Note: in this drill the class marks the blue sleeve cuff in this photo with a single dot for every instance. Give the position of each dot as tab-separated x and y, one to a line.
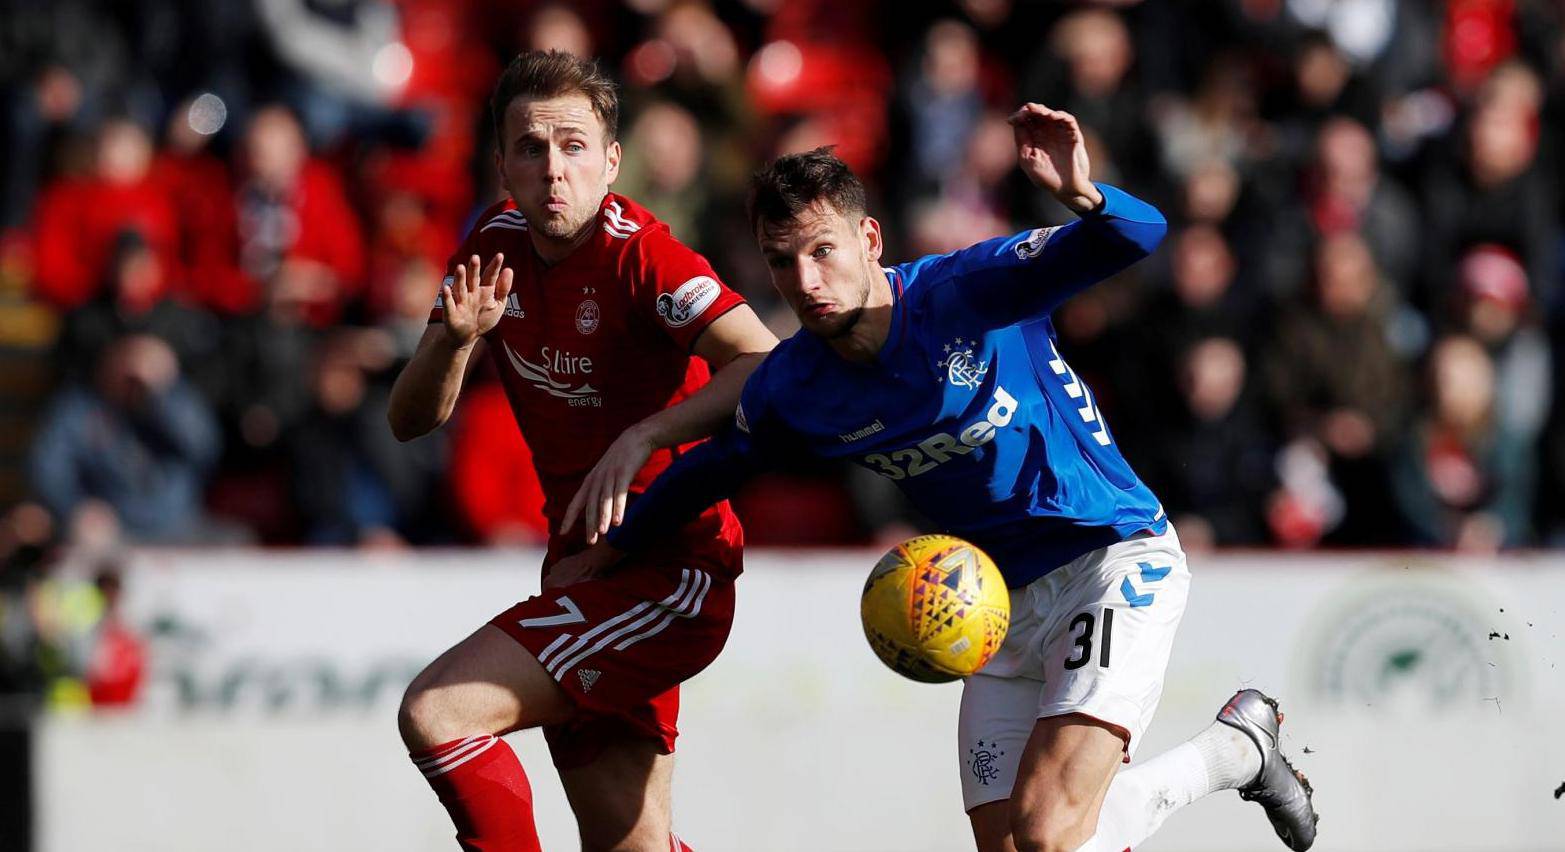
1133	218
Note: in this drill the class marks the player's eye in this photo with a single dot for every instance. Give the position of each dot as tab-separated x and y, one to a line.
574	147
821	252
777	261
531	149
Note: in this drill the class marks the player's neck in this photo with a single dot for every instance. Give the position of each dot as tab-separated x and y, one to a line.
862	344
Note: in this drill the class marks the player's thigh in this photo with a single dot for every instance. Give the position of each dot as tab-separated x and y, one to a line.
485	684
622	798
995	719
998	711
1108	625
1066	770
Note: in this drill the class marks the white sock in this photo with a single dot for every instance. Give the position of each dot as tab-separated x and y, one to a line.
1232	758
1142	797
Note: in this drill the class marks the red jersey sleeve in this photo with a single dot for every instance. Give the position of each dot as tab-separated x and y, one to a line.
677	289
467	249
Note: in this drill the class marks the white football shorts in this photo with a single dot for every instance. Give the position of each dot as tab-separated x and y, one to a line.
1091	637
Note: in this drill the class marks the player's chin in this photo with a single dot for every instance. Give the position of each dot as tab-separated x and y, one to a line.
831	326
555	227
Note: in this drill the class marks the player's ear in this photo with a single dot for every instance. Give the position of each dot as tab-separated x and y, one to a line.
869	232
611	161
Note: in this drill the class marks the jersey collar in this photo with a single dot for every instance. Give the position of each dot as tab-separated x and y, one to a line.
898	308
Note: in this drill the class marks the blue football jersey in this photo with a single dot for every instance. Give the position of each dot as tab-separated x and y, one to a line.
969	407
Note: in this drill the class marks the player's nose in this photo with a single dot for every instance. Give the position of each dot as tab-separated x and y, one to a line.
554	164
810	279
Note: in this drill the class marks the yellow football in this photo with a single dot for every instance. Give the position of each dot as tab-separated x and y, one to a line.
935	608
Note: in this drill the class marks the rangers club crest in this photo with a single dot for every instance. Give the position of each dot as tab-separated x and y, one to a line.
962	367
983	761
587	317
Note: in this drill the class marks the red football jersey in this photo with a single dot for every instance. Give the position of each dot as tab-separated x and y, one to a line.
595	344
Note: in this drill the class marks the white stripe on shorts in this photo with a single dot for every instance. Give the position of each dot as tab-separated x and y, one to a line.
634	611
690	613
674	604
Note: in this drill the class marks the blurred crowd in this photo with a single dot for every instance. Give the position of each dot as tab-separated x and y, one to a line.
222	224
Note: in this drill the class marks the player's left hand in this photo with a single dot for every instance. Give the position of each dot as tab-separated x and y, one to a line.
1053	154
583	566
602	495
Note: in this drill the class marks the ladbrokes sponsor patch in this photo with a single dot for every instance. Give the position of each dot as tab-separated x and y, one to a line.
1033	245
690	300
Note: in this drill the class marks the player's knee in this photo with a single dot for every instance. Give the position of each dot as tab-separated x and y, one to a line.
1059	828
430	716
417	717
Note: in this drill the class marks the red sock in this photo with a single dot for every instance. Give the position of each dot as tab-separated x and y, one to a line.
677	845
483	787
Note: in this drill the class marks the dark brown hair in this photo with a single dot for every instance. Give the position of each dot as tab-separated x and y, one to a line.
551	74
793	182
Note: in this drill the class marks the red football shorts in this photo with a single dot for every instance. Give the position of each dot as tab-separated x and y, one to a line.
620	646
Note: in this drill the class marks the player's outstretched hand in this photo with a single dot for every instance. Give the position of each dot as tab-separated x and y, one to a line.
474	301
601	497
1053	154
582	566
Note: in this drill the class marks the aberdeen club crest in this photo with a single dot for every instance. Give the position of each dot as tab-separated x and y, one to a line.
587	317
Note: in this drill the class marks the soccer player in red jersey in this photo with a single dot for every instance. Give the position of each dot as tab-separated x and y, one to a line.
602	326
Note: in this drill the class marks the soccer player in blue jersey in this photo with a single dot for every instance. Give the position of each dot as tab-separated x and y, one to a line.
944	375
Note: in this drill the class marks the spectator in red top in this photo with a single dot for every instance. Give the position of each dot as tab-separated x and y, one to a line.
298	233
78	221
117	659
200	187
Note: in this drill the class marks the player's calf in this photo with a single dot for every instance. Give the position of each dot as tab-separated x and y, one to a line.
622	798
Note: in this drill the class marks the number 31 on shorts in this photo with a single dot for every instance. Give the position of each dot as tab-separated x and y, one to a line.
1081	628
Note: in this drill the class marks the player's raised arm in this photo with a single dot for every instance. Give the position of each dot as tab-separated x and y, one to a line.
1053	154
734	345
1010	279
472	302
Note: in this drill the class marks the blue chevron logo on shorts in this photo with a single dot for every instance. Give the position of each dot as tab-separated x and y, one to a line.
1149	574
1152	575
1129	591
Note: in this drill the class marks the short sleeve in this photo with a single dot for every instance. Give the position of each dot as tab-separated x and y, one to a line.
467	249
677	290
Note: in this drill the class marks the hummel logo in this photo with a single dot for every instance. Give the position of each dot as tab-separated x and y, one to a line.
860	434
513	307
588	677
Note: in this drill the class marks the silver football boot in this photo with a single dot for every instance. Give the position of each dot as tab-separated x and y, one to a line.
1282	790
